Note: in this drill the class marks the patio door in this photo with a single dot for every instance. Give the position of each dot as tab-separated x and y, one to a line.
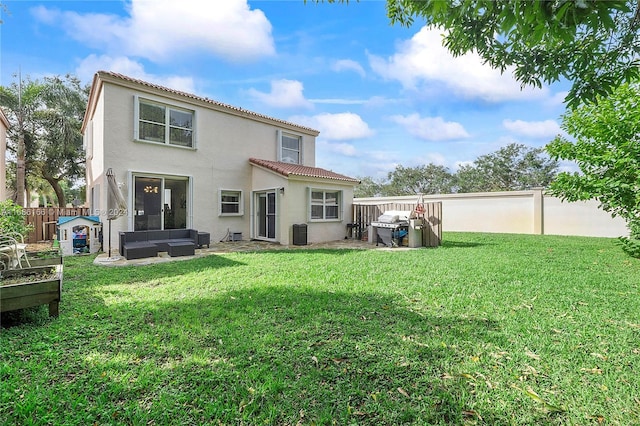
266	215
160	203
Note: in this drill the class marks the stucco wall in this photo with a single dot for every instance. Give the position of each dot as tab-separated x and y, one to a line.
526	212
580	218
318	231
292	198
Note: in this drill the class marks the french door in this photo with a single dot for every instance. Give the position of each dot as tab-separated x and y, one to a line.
266	214
160	203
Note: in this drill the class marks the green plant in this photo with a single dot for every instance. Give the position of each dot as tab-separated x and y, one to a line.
12	219
603	142
631	244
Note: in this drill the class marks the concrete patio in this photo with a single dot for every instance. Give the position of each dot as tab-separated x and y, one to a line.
238	246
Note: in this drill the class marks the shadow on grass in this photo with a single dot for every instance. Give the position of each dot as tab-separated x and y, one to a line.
461	244
277	355
324	251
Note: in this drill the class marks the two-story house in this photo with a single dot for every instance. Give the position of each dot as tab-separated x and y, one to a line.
185	161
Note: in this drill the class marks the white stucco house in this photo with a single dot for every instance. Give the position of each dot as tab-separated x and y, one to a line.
185	161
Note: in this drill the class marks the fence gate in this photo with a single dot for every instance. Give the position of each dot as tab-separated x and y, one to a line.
364	214
44	220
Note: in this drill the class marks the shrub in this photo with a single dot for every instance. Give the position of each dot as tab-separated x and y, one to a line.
12	219
631	244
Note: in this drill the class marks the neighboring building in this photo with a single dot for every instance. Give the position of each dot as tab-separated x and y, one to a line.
4	126
184	161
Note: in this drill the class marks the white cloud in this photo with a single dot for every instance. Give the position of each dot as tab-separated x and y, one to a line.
423	60
568	166
123	65
458	164
348	65
431	128
431	158
341	126
338	101
533	129
345	149
372	102
557	99
283	94
164	29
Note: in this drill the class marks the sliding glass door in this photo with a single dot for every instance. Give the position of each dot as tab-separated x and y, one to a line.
266	214
160	203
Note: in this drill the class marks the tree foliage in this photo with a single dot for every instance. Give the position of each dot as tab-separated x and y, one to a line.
606	147
61	156
594	44
12	219
21	101
45	118
368	187
427	179
511	168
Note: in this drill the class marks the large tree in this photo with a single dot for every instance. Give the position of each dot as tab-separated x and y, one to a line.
592	43
605	144
45	133
511	168
20	102
368	187
427	179
60	155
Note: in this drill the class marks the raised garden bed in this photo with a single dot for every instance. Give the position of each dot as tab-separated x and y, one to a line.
39	285
51	257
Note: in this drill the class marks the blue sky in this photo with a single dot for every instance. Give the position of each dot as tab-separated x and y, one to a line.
380	95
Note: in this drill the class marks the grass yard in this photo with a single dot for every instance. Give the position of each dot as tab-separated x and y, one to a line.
487	329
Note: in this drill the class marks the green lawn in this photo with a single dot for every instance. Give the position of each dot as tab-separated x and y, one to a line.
487	329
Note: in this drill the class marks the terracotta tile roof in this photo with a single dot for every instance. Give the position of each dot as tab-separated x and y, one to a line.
102	74
287	169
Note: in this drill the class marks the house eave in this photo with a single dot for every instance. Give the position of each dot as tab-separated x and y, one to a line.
291	175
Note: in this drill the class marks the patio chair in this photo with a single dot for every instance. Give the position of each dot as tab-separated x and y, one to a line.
14	248
5	261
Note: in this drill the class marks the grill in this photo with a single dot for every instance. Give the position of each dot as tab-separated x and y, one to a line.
391	227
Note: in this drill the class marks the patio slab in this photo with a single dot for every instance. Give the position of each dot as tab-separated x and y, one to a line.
239	246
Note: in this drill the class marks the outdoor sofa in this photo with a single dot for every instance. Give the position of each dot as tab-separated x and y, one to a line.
176	242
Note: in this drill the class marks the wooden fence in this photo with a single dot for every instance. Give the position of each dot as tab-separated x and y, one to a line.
364	214
44	220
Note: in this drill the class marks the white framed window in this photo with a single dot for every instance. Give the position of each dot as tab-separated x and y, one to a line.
289	147
231	203
325	204
162	123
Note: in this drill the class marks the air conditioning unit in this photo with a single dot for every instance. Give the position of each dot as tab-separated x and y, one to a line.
235	236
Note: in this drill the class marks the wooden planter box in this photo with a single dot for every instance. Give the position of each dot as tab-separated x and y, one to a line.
53	259
33	292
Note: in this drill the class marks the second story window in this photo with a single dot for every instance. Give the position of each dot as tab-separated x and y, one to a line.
164	124
289	148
